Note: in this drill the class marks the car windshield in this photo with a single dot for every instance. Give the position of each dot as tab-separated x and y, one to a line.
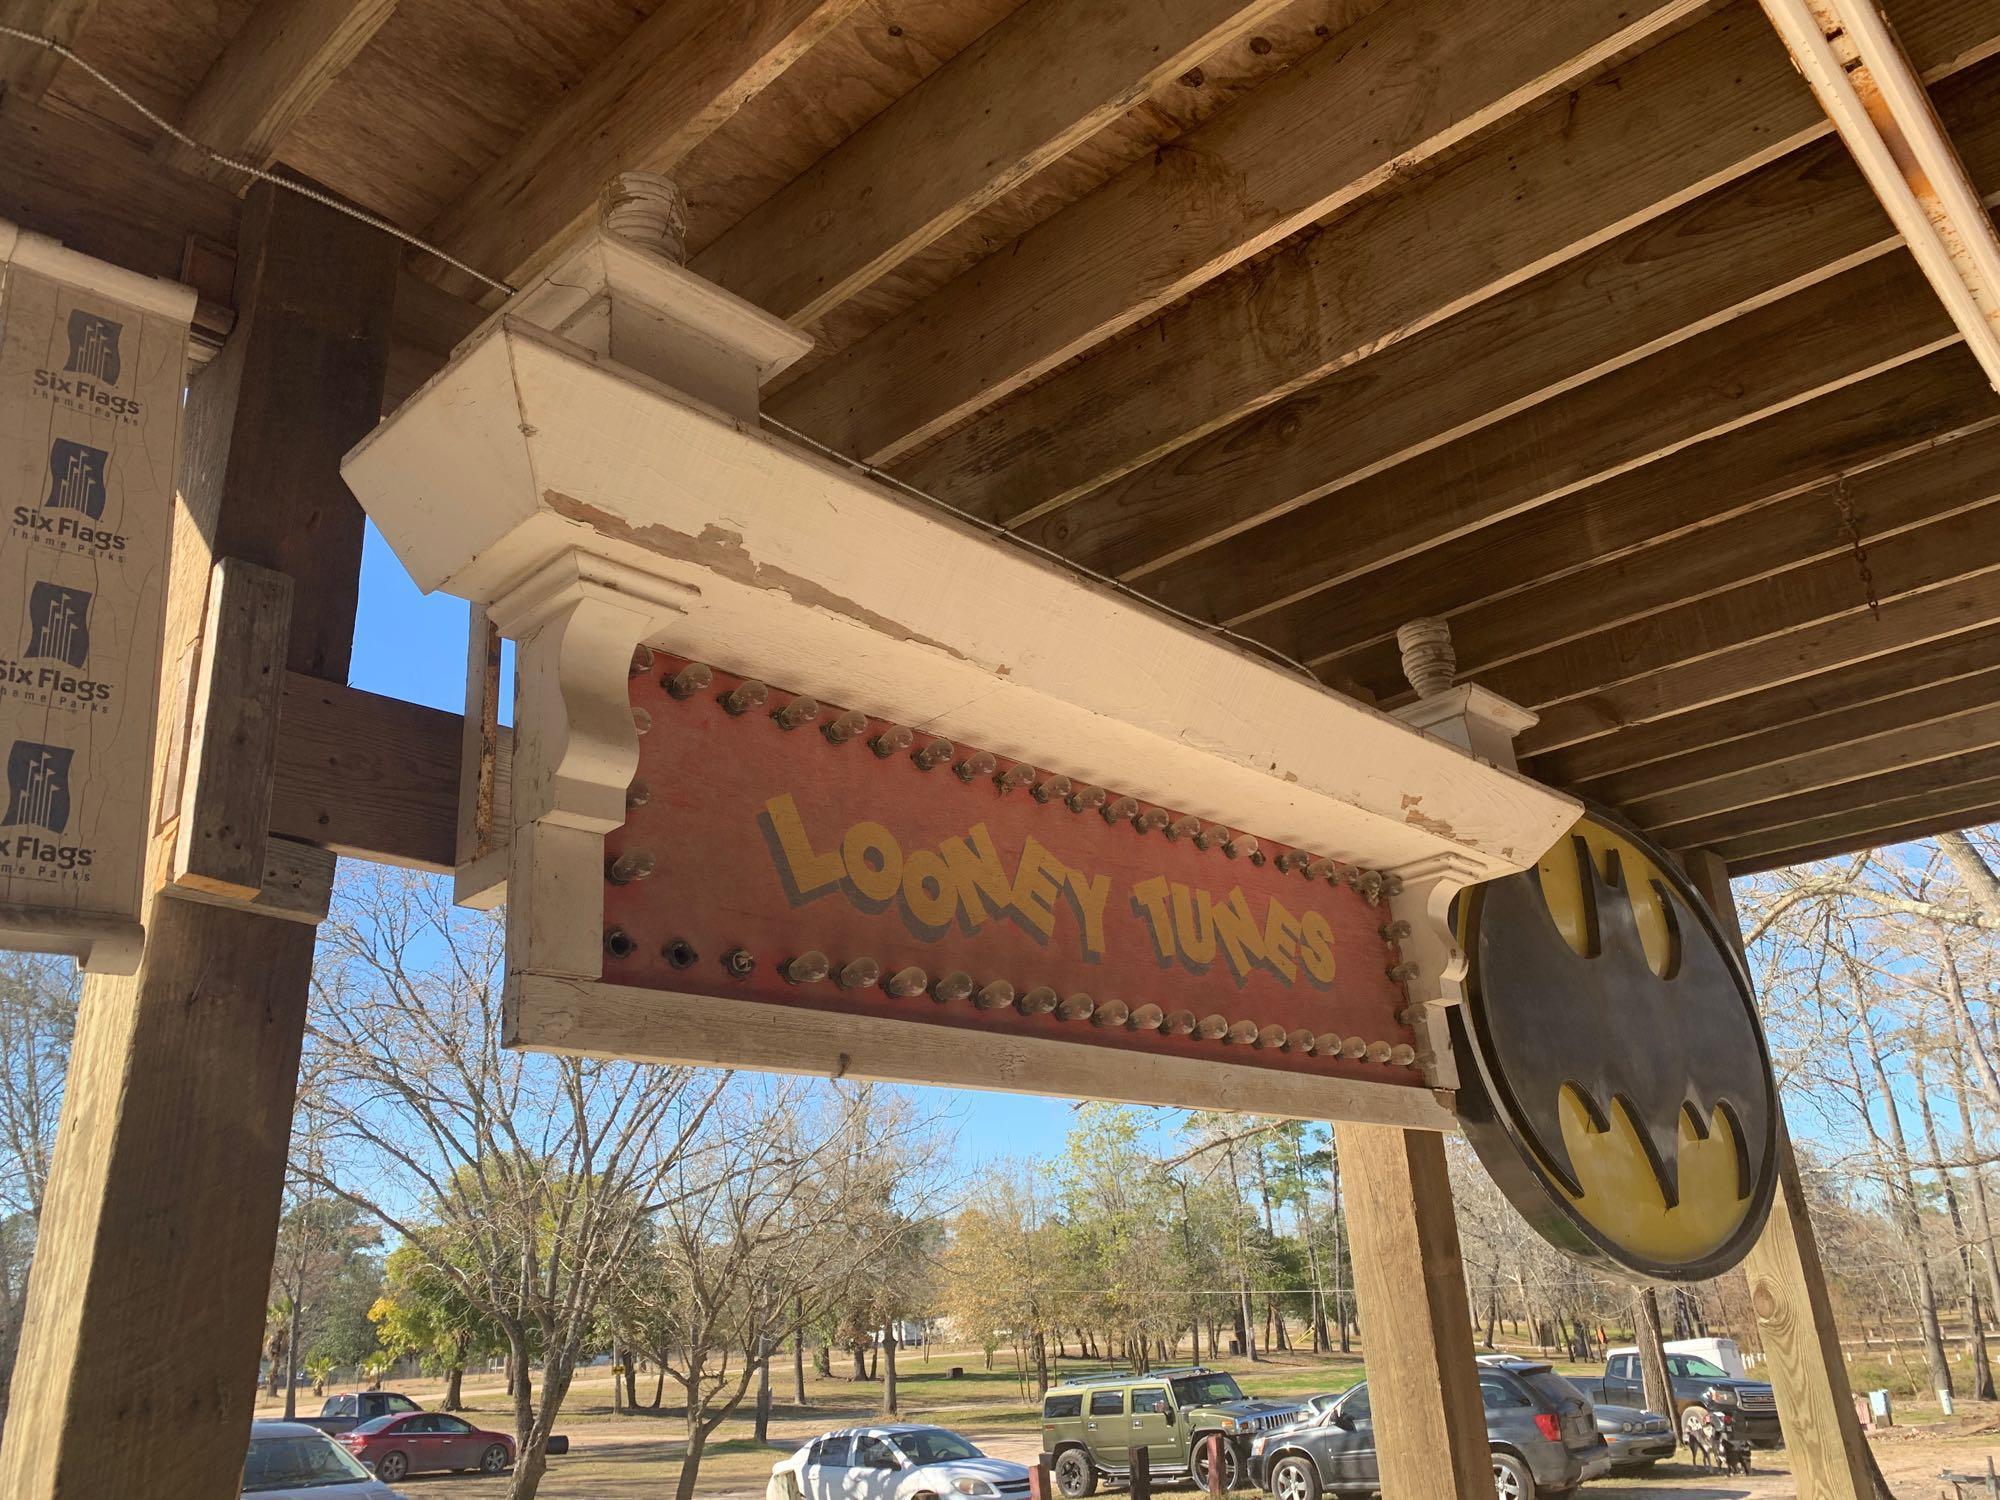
1701	1369
933	1445
1206	1390
297	1462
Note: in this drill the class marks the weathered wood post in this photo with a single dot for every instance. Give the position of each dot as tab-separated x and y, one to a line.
1830	1456
1141	1468
138	1360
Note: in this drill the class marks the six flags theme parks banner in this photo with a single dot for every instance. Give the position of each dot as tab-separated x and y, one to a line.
92	360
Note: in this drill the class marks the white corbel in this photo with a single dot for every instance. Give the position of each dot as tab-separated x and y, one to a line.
1483	724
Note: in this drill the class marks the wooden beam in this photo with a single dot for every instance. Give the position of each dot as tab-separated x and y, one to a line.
1896	414
1409	1285
1707	572
1685	116
1388	93
1772	793
368	775
26	71
1925	825
1957	606
268	78
1788	1298
679	76
1766	612
78	181
1874	317
1038	84
1944	784
225	795
1789	708
1801	220
1807	752
169	1169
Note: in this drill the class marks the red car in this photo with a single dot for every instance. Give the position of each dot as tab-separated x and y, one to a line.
412	1442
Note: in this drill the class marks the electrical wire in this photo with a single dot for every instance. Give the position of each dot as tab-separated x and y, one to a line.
374	221
248	169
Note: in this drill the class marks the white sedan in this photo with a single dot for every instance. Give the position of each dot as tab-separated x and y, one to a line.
903	1461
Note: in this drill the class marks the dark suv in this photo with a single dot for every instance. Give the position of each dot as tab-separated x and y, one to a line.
1538	1425
1699	1386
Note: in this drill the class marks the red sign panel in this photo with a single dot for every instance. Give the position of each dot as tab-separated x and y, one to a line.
793	853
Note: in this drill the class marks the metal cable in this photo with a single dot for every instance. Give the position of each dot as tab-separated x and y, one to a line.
248	169
374	221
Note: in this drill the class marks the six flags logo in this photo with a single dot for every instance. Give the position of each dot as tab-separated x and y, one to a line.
37	786
93	346
90	374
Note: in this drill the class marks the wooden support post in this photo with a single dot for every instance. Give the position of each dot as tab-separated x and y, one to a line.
1416	1325
138	1359
1830	1457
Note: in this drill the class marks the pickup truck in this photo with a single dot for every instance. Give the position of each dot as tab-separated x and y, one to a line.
345	1412
1697	1384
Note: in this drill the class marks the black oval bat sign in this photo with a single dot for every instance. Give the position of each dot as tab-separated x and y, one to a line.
1619	1090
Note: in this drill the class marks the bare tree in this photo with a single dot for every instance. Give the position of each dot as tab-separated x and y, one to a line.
528	1179
38	1002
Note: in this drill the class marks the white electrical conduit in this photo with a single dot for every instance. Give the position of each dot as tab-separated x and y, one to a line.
1866	85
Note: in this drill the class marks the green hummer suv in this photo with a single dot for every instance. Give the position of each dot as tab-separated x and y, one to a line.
1091	1424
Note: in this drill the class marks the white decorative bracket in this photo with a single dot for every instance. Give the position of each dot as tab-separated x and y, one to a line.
1484	725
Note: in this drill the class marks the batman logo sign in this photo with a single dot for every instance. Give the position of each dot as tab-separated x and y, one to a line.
1621	1094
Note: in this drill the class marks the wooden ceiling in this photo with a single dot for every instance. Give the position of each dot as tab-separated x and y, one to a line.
1570	322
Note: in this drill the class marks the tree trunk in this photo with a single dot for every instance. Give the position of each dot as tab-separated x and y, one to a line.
1982	1208
1908	1219
631	1377
454	1389
292	1362
1042	1362
762	1431
859	1353
522	1389
1975	1327
1652	1357
690	1463
799	1349
889	1369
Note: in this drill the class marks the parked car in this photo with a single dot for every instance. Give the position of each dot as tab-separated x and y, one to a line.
1637	1439
1538	1426
427	1441
1698	1386
902	1461
291	1461
1091	1424
349	1409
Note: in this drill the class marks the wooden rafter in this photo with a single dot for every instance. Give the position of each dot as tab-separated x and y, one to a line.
1698	110
1560	632
1876	316
26	71
943	151
1791	712
685	71
1802	219
1408	82
272	72
1901	411
1890	823
1858	803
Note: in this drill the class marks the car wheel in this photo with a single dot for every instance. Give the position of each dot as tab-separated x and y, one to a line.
392	1467
1295	1478
494	1459
1075	1474
1512	1479
1232	1465
1693	1420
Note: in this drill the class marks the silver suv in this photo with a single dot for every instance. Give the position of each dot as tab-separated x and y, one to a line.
1539	1427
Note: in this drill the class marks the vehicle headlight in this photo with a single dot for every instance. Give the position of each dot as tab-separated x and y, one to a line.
971	1486
1630	1426
1720	1395
1239	1424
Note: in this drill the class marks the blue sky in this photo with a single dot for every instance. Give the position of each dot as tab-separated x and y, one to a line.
412	646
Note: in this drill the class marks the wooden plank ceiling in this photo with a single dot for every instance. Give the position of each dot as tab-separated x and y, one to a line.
1570	322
